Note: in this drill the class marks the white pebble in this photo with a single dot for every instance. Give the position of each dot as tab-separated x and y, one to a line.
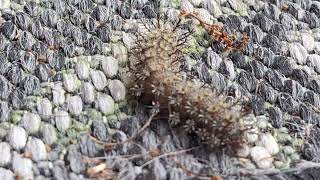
31	122
17	137
82	69
6	174
70	82
49	135
45	108
99	80
63	121
37	149
117	90
87	93
22	166
269	142
110	66
5	154
298	52
58	95
105	104
308	41
261	157
75	105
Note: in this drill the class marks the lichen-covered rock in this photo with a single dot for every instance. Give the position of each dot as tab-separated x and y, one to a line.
17	137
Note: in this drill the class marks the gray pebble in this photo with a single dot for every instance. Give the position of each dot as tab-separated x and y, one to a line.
5	88
186	6
87	93
58	95
22	166
307	41
31	122
82	69
5	157
314	60
117	90
17	137
75	105
62	119
45	108
100	131
37	149
110	66
99	80
75	160
213	59
6	174
48	133
4	111
105	104
70	82
298	52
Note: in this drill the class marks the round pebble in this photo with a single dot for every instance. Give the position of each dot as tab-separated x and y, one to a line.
70	82
37	149
261	157
5	157
49	135
110	66
6	174
105	104
117	90
82	69
22	166
45	108
99	80
75	105
17	137
31	122
63	121
87	93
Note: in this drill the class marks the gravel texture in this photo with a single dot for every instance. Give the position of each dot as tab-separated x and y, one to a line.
63	76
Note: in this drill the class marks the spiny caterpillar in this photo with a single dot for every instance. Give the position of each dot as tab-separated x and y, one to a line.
155	63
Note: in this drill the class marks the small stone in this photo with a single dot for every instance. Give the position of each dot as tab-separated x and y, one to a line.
4	4
120	52
117	90
63	121
261	157
269	142
243	151
45	108
22	166
5	157
75	160
6	174
213	59
87	93
298	52
70	82
204	15
4	111
58	95
99	80
75	105
82	69
186	6
37	149
314	60
308	41
17	137
48	133
110	66
213	7
31	122
100	131
105	104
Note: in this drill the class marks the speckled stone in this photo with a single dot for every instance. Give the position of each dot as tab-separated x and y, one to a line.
298	52
117	90
17	137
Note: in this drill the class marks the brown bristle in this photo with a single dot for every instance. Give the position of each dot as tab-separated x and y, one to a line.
155	62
